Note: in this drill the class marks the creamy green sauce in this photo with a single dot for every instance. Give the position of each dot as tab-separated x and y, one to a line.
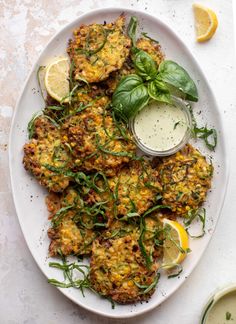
160	126
224	310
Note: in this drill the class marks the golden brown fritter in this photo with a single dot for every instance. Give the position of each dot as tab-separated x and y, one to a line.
115	77
186	178
118	268
73	231
97	50
129	193
152	48
46	149
96	142
134	189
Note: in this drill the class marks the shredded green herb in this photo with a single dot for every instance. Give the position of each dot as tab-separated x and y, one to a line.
148	288
57	108
176	270
199	214
103	149
69	275
143	229
129	215
30	127
176	124
71	278
70	95
209	135
58	217
141	243
151	39
40	69
228	316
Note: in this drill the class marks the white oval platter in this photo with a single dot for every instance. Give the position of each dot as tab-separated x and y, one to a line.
29	196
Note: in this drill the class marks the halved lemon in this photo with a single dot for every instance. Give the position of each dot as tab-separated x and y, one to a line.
56	79
206	22
176	243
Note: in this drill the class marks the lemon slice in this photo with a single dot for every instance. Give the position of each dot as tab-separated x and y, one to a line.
56	79
175	245
206	22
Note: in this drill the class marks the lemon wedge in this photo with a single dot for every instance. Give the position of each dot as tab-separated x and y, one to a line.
175	245
56	79
206	22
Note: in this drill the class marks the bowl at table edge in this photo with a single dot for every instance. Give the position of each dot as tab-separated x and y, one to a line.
219	293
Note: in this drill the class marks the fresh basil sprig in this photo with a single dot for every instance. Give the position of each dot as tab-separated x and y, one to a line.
150	81
144	65
173	74
158	91
130	96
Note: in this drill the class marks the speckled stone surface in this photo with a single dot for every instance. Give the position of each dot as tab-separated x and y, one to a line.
25	28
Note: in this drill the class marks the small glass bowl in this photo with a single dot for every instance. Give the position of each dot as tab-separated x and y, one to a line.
183	105
214	298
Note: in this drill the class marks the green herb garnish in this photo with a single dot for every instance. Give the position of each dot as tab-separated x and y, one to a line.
30	127
199	214
69	275
132	28
143	230
151	39
58	217
228	316
209	135
150	82
71	278
148	288
39	71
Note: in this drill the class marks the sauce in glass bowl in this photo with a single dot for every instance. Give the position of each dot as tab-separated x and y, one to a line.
162	129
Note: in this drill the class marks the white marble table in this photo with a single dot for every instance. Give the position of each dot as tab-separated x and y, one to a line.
25	27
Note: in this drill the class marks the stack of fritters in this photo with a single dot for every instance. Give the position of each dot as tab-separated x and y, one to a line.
99	188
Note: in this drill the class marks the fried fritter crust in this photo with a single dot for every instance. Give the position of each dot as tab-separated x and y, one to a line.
97	50
186	178
152	48
115	77
46	148
96	142
135	188
69	237
132	191
117	264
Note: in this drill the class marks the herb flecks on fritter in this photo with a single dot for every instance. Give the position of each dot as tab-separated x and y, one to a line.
73	231
152	48
118	268
97	142
134	189
45	148
115	77
186	178
97	50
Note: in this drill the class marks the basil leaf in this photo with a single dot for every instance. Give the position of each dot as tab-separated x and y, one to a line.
173	74
158	93
161	86
130	96
132	27
145	66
